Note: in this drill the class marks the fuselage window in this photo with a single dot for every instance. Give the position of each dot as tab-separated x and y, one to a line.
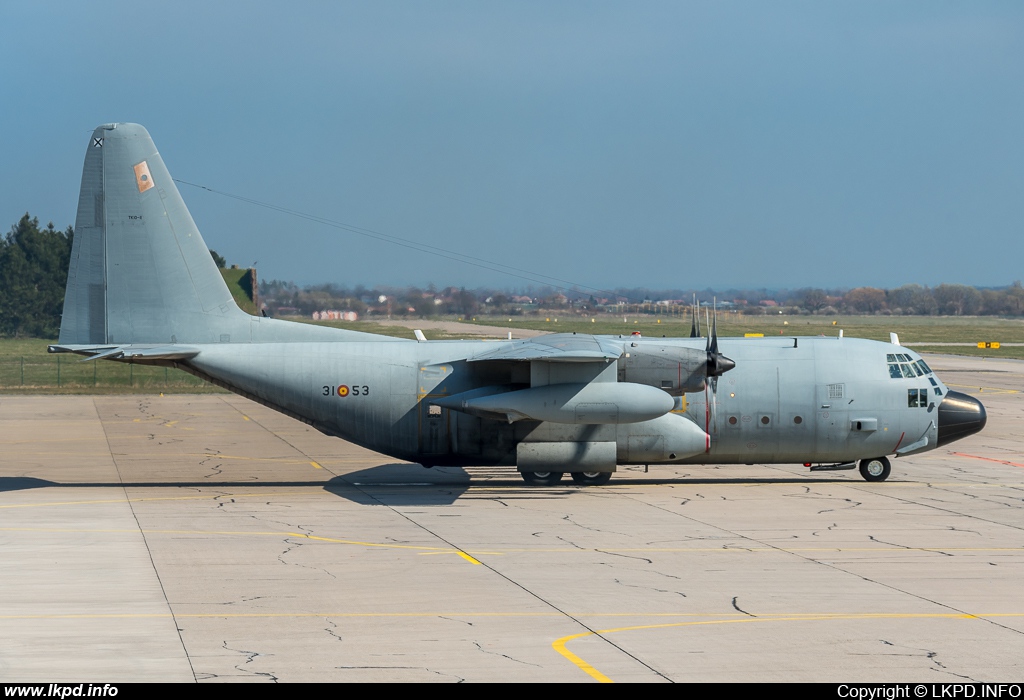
938	391
798	420
732	420
917	398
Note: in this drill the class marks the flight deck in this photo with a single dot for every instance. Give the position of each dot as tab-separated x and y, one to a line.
207	538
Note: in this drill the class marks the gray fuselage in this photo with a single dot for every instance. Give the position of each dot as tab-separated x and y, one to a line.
787	400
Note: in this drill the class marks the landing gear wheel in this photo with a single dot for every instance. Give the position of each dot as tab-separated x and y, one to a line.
876	469
591	478
542	478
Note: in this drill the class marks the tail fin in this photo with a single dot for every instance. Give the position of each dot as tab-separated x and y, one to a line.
140	271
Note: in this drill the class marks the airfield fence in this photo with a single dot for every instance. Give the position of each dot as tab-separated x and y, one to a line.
70	372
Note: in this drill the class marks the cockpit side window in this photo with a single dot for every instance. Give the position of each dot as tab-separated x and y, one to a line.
894	372
907	372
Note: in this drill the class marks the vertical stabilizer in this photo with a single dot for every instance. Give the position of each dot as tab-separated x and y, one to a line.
140	271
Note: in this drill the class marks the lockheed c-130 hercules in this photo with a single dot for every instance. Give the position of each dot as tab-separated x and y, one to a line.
142	287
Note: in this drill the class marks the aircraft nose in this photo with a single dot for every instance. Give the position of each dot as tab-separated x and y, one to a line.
960	415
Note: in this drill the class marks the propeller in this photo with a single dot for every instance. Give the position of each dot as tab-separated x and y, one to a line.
718	364
695	312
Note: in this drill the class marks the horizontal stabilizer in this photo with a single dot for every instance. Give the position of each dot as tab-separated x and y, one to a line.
129	352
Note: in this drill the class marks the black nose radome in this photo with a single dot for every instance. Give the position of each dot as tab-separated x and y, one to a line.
960	415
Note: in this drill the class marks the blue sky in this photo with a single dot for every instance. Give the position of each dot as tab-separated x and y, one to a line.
675	144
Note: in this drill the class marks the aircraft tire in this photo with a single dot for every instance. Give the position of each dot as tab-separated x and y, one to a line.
541	478
876	469
591	478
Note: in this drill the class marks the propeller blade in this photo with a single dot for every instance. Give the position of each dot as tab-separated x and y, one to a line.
718	364
714	330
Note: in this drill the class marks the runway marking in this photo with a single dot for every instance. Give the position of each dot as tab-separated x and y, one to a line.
426	550
315	465
385	545
988	459
161	498
459	551
468	558
559	645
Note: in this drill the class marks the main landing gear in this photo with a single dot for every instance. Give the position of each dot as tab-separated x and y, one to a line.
552	478
541	478
591	478
876	469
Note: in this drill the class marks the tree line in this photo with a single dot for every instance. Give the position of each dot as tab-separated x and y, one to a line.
33	273
34	263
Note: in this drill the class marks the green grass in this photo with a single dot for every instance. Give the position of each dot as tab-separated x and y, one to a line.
239	281
26	367
911	329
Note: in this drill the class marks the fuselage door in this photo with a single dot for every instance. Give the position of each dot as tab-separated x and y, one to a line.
434	421
833	420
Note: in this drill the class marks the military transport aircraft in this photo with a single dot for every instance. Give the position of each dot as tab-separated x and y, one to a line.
142	287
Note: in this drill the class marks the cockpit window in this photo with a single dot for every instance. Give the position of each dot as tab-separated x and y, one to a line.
903	366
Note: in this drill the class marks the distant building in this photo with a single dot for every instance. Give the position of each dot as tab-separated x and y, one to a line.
334	315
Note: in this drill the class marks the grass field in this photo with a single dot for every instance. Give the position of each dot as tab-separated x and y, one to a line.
919	332
26	367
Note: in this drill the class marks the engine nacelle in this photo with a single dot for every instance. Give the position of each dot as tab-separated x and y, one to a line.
670	368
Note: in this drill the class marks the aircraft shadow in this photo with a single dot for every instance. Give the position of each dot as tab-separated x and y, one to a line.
401	485
412	485
20	483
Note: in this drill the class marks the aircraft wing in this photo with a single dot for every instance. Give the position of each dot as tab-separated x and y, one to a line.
129	352
561	347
